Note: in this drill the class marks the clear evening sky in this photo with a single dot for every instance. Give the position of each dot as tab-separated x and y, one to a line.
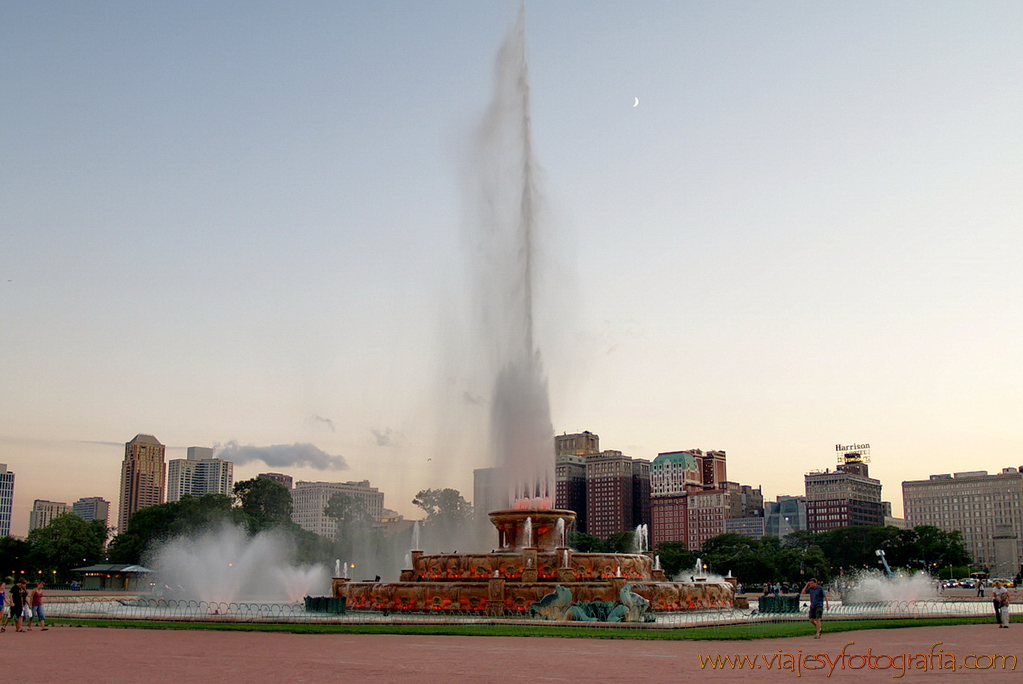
241	222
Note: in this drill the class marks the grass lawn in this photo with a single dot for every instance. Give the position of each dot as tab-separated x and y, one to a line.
754	630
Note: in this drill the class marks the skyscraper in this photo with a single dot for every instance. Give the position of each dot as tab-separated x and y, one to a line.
843	497
143	477
311	498
570	454
45	511
6	499
198	475
977	505
92	508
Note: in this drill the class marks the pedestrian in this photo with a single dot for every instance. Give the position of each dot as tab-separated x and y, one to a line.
997	591
980	588
37	605
818	599
1003	609
18	597
4	615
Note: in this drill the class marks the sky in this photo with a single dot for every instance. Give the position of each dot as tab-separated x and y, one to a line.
770	228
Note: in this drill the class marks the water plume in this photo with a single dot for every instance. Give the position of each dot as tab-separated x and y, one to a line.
504	225
227	565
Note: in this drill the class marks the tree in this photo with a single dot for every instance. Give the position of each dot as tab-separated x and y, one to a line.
620	542
13	556
675	557
354	524
265	502
67	542
152	524
585	543
445	508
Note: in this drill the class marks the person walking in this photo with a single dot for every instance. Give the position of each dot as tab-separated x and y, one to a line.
37	605
19	594
818	599
4	614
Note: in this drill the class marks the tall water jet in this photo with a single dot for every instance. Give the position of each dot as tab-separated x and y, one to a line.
640	539
505	227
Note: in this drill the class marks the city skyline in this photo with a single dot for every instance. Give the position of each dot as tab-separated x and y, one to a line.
245	230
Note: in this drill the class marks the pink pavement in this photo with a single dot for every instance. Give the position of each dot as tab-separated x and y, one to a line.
125	656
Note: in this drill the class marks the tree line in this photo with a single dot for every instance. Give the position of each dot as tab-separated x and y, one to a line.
68	542
50	553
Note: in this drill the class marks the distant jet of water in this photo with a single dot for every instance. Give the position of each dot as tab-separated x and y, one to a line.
506	226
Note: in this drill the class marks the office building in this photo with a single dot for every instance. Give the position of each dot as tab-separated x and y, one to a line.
617	490
280	478
570	454
976	504
6	499
45	511
844	497
691	499
143	476
199	474
309	499
784	516
92	508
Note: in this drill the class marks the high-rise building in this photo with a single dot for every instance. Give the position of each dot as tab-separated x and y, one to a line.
6	499
975	504
142	477
675	476
279	478
92	508
489	492
570	454
45	511
617	487
784	516
198	475
309	499
848	496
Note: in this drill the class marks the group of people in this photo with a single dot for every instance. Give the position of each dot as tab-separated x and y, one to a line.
21	605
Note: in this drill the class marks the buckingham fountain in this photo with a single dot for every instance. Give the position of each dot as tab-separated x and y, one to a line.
532	572
532	569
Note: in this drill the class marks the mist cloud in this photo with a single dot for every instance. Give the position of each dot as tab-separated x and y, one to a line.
282	456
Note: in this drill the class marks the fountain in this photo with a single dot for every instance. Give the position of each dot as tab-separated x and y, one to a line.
874	586
532	560
226	565
515	576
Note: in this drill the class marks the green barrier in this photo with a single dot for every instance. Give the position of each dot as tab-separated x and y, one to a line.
325	604
779	604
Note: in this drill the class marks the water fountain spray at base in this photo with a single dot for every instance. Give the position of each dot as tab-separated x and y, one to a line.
226	565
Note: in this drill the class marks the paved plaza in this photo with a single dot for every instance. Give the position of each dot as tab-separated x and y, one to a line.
91	654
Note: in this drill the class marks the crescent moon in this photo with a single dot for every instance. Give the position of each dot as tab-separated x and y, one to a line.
637	103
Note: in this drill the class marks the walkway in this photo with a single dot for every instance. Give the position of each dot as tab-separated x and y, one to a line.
125	656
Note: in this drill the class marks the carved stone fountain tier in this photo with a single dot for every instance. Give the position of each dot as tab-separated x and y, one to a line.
508	581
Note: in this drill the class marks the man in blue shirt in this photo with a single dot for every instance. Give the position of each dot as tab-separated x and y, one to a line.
818	599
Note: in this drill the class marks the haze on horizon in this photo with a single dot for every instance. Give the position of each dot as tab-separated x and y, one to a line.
225	228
